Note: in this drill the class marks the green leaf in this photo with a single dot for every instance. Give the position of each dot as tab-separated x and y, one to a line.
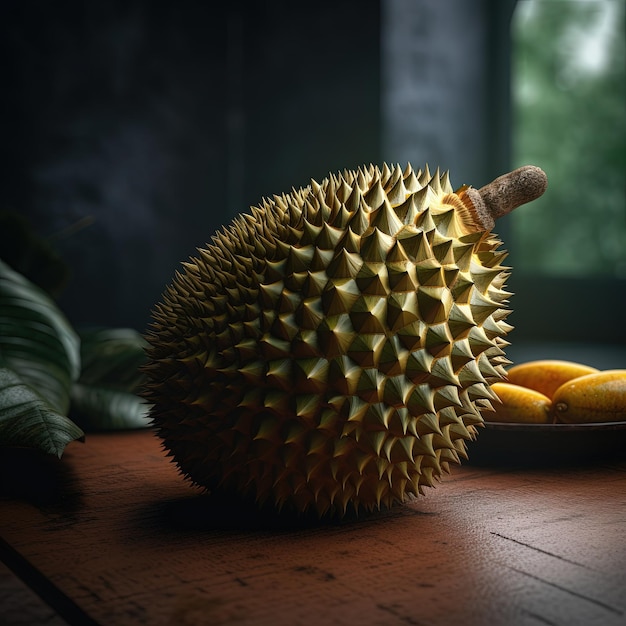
112	358
97	408
104	398
36	340
27	421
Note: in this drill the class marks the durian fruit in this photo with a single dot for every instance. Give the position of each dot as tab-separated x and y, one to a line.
332	349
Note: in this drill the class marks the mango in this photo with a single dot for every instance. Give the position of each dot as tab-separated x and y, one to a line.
593	398
546	376
518	405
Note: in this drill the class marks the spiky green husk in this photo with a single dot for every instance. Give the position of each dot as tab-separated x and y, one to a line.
334	347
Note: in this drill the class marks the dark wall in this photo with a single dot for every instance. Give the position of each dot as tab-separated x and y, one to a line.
115	140
311	91
134	129
445	85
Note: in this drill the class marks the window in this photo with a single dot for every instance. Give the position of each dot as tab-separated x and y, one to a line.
569	117
568	248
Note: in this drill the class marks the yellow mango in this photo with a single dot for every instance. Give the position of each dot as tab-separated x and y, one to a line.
518	405
594	398
546	376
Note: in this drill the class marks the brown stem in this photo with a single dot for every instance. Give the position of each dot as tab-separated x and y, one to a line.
504	194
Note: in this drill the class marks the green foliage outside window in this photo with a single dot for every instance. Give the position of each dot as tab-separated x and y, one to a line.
569	117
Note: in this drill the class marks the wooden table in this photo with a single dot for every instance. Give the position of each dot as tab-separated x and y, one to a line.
112	535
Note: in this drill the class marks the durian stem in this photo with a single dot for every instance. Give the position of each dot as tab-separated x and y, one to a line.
504	194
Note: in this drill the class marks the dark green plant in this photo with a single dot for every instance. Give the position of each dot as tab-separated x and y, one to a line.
55	383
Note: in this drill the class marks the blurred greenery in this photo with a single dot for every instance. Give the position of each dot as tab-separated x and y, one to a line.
569	117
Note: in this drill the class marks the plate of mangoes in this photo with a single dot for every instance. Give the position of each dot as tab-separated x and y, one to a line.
555	409
560	393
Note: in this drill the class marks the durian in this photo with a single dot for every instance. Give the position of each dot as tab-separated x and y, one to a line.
332	349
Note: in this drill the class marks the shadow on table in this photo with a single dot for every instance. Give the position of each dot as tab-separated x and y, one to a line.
40	479
218	511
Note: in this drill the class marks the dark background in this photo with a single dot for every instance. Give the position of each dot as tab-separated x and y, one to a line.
132	130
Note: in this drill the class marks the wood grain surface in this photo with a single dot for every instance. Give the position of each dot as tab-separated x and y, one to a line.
116	537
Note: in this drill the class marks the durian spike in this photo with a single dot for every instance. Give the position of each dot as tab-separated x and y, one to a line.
501	196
